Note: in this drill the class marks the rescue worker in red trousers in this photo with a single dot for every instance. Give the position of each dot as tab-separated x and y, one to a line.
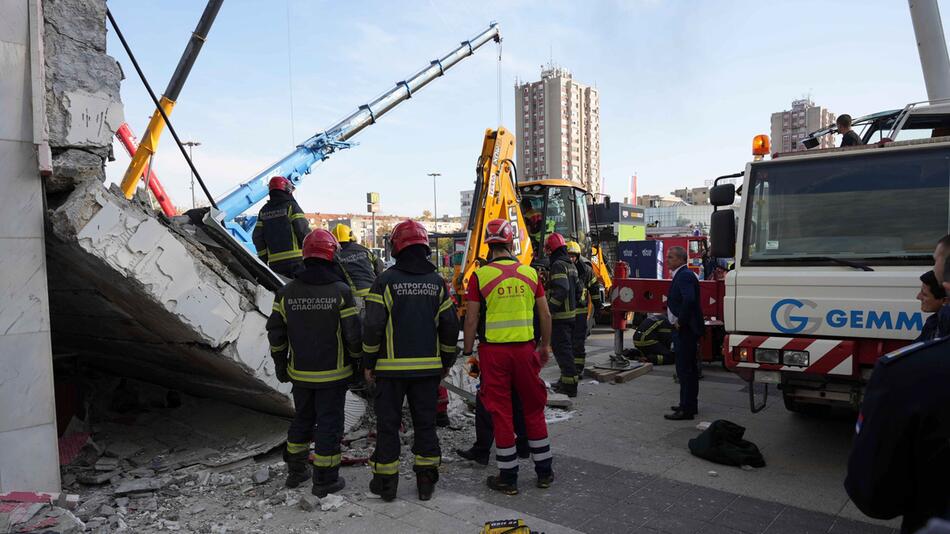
502	300
280	230
590	292
563	293
314	334
409	343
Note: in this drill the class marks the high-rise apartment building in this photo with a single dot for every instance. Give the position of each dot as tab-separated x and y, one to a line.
558	129
791	126
465	204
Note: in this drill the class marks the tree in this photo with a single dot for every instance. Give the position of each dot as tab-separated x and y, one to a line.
426	214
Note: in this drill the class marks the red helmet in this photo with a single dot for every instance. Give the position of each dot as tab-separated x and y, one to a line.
407	233
499	231
279	182
554	242
320	244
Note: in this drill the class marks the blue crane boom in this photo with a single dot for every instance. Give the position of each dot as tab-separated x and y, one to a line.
319	147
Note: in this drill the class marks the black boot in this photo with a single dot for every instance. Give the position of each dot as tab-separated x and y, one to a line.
327	480
545	481
298	468
501	485
568	389
425	483
385	486
473	455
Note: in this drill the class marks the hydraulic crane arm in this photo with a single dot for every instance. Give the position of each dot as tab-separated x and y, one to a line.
319	147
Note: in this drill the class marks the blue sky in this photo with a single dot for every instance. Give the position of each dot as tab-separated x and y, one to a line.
684	85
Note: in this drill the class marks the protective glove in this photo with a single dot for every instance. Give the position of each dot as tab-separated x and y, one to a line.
280	369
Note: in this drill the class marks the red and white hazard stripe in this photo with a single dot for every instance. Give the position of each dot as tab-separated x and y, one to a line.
825	356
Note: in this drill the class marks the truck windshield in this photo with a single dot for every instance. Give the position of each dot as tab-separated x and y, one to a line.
877	207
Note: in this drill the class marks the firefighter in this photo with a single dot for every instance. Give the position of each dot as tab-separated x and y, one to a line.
359	263
409	343
563	292
502	301
315	321
653	340
589	292
280	230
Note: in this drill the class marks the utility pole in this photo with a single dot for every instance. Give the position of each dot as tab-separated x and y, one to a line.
191	145
435	214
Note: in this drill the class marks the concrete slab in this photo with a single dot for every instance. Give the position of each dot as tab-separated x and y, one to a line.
22	462
20	190
26	381
23	287
16	121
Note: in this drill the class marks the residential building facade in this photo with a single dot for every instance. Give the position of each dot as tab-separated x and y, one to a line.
558	129
791	126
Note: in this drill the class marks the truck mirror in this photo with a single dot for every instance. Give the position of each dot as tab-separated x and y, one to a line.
722	195
722	233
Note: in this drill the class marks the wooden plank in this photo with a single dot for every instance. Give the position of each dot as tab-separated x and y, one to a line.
628	375
603	375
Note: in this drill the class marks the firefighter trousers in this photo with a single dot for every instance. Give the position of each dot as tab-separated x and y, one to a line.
579	341
318	416
562	343
515	366
422	393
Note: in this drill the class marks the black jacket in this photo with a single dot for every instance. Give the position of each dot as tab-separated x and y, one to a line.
851	139
563	289
280	229
314	328
411	326
360	265
683	301
900	459
589	285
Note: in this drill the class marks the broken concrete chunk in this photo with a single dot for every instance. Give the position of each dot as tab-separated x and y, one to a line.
94	478
122	502
331	502
123	449
261	476
309	503
559	400
107	464
140	485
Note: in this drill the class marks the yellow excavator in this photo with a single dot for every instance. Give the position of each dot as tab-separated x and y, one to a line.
535	209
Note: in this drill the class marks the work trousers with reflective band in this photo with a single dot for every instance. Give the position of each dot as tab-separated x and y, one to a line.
579	341
485	432
507	366
422	393
318	416
562	343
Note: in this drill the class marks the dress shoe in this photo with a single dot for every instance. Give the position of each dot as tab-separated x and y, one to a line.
679	416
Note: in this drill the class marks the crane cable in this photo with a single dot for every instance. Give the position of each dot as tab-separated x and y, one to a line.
290	80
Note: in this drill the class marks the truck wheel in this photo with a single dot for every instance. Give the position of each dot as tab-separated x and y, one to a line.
805	408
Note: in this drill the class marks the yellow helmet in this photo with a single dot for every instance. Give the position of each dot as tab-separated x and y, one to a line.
573	248
342	233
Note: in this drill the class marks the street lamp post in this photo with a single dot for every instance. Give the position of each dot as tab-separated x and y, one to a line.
435	214
191	145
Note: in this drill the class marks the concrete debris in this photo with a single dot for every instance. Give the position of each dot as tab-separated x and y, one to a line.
560	400
309	503
702	425
552	415
331	502
261	476
107	464
95	478
141	485
713	474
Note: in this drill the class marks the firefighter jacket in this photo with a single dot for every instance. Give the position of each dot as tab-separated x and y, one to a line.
563	289
507	291
654	339
280	229
589	286
314	329
411	327
360	265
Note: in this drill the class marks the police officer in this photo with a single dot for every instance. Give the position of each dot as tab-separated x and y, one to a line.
900	458
502	300
315	321
359	263
589	293
281	228
409	343
563	293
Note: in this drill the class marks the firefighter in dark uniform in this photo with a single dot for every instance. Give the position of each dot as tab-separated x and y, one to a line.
314	334
653	340
280	230
359	263
590	293
900	458
409	343
563	293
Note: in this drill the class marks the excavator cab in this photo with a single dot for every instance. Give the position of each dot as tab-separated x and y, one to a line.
552	206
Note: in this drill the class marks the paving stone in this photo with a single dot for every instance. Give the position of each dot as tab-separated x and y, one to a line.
755	506
848	526
742	522
675	525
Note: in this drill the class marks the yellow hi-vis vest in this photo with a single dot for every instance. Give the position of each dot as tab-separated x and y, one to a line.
508	289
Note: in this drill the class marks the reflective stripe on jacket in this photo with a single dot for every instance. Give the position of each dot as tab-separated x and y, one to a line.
280	229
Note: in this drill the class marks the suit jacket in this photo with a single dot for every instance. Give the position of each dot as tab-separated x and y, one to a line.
683	301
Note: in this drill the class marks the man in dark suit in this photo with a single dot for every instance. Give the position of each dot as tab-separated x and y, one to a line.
684	313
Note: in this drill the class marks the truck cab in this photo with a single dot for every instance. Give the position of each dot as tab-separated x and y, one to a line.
829	246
